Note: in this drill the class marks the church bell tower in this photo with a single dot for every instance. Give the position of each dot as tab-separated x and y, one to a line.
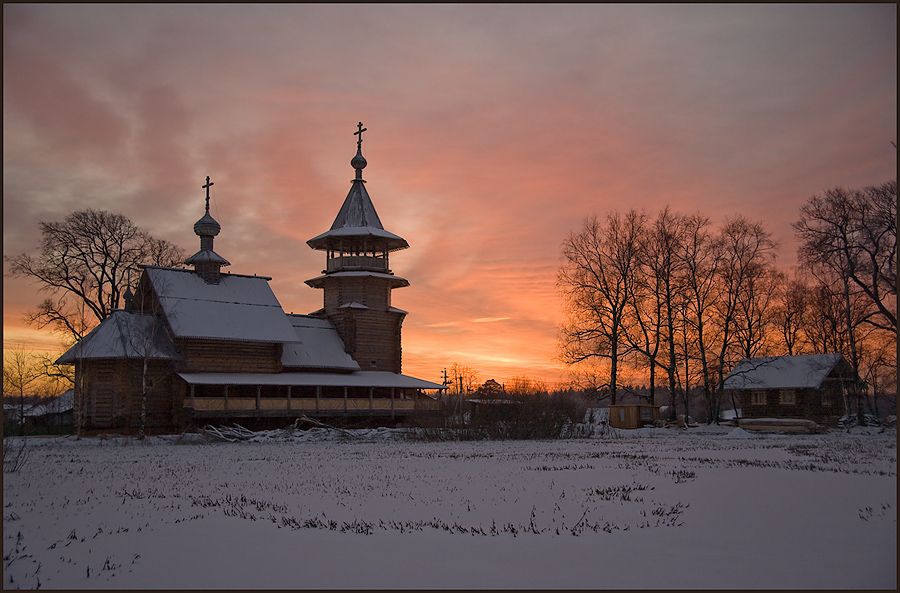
357	280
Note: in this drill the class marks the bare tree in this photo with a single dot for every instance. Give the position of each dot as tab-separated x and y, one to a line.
746	249
825	325
878	359
657	295
597	280
702	260
664	262
590	379
87	257
21	372
791	312
462	381
853	233
527	385
755	307
848	240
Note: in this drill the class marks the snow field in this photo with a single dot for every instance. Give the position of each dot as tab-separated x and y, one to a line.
655	508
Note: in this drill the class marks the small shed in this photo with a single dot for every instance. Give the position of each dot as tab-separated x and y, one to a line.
53	416
633	415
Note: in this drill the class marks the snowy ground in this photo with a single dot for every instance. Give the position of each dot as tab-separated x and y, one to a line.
655	508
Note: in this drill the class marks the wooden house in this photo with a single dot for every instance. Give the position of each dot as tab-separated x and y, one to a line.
196	346
808	387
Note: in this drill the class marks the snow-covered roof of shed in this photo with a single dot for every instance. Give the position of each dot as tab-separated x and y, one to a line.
239	308
782	372
58	405
357	379
357	218
319	346
123	335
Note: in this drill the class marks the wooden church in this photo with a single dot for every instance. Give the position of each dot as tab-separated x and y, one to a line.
197	346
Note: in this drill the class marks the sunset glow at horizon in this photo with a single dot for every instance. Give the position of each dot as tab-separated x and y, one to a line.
492	132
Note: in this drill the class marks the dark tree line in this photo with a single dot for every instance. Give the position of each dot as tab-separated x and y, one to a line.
682	301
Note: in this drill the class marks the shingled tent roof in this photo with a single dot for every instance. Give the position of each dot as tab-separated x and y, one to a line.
357	217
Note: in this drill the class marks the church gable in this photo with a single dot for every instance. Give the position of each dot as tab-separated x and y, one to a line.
238	308
123	335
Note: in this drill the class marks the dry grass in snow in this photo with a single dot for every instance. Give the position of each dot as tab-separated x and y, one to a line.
655	508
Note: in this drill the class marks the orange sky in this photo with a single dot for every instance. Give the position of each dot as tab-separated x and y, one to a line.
493	130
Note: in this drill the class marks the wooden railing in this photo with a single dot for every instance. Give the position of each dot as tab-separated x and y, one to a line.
357	261
274	406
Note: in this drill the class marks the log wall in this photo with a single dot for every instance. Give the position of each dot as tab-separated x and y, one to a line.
108	396
372	338
817	405
219	356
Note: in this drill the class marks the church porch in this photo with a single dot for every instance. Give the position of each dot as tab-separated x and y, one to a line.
324	395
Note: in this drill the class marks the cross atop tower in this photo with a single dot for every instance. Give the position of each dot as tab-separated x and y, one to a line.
206	187
359	133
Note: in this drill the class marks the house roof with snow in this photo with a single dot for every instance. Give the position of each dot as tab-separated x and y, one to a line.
238	308
123	335
782	372
63	403
318	346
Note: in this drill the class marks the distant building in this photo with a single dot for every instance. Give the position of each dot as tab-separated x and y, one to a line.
810	387
197	346
51	415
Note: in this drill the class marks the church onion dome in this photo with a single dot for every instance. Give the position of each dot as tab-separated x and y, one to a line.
207	262
358	162
207	226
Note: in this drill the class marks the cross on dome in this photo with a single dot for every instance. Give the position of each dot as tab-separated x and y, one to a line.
358	162
359	133
206	187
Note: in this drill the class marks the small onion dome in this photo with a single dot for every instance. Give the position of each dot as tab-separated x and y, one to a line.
358	162
207	226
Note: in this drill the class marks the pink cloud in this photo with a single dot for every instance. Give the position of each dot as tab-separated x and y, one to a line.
493	130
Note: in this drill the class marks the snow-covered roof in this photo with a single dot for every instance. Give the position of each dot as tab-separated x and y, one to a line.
357	218
319	346
63	403
396	281
782	372
123	335
357	379
240	308
207	255
353	305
